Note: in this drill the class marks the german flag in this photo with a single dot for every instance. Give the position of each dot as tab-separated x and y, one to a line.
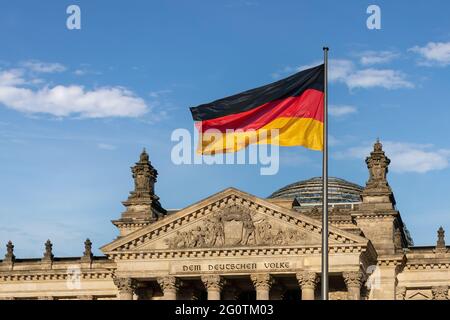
293	106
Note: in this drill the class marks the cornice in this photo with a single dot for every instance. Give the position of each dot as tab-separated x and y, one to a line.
234	252
52	276
428	264
375	214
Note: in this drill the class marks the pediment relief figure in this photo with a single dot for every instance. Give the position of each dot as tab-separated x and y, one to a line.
235	226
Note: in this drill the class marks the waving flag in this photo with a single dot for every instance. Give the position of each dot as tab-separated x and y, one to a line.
294	106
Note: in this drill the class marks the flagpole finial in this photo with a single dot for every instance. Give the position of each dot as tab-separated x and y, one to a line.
326	48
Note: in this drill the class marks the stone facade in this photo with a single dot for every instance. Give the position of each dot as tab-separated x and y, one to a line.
236	246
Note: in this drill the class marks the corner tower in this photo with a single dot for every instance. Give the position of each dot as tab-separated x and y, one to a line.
142	206
378	194
377	215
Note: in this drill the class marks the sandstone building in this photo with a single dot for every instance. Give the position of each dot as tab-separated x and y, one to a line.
234	245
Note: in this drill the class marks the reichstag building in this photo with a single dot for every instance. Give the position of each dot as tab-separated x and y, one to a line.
236	246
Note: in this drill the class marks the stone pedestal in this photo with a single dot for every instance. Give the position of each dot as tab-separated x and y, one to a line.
213	284
262	283
307	282
169	287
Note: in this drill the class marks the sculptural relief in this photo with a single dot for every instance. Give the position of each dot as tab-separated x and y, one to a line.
377	163
235	226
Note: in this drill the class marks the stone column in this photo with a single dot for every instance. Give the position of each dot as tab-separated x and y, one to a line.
126	287
440	293
213	284
353	281
169	286
262	283
307	282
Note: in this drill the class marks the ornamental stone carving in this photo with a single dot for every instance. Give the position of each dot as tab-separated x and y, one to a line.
234	226
48	254
400	293
87	254
378	164
125	285
168	283
353	279
9	256
144	176
440	244
440	293
212	282
143	203
262	281
307	280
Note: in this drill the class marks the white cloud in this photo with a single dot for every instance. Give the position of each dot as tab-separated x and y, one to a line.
80	72
43	67
64	101
159	93
377	57
341	111
434	53
340	69
11	77
405	157
345	71
106	146
382	78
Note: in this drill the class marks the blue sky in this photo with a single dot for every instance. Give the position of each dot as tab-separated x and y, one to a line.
78	106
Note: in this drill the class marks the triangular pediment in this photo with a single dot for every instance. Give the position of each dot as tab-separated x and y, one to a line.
231	219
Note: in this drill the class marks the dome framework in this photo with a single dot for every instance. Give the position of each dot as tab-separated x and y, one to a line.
310	191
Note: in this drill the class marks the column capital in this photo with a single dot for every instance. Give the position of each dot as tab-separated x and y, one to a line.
440	292
353	279
307	280
125	285
212	282
168	283
261	280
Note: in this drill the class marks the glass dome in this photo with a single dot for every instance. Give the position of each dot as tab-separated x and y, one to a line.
310	191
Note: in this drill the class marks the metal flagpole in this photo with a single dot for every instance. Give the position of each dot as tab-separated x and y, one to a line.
324	279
